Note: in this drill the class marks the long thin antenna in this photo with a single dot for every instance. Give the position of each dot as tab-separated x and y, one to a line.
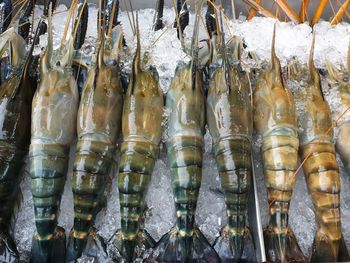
99	21
49	39
158	16
260	8
288	10
70	14
338	17
30	53
346	12
221	25
194	43
233	10
253	11
111	19
132	14
177	18
78	21
14	18
128	14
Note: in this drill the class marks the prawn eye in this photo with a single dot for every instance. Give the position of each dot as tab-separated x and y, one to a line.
346	79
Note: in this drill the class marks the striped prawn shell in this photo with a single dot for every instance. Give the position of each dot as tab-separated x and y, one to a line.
318	151
141	130
54	112
14	140
98	128
229	117
275	119
186	103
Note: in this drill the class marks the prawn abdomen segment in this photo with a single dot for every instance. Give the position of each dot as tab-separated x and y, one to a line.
10	166
185	242
48	168
233	157
185	154
11	159
92	165
186	104
322	174
137	160
280	156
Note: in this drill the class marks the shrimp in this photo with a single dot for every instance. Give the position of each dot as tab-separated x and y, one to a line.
16	94
321	168
275	119
54	113
186	103
141	130
230	118
99	122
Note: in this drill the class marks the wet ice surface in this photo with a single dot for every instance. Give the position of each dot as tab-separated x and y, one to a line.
165	53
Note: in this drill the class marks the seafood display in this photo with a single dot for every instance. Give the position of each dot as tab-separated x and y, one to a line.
229	132
54	115
98	127
229	118
320	165
16	94
275	118
141	131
